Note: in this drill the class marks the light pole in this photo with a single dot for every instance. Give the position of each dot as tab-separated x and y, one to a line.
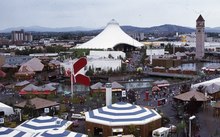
173	49
190	119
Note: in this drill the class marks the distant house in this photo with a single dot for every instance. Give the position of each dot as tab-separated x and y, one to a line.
32	65
25	74
198	96
38	90
39	105
100	87
29	68
53	64
22	84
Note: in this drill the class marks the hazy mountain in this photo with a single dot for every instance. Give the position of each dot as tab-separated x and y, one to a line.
167	28
162	29
47	29
215	29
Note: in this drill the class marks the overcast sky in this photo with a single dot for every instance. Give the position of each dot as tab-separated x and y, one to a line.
97	13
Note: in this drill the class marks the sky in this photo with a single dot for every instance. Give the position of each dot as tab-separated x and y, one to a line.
97	13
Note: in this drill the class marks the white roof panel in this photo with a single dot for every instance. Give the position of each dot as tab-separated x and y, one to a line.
111	36
9	132
59	133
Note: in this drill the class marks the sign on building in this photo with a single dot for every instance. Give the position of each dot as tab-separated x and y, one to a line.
2	120
123	93
46	110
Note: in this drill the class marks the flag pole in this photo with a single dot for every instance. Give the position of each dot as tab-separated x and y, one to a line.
71	79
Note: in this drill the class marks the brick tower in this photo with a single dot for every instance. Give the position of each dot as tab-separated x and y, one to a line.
200	37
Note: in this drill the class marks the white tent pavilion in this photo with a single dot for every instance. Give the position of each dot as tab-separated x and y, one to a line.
43	123
119	117
211	86
9	132
59	133
122	114
7	109
110	37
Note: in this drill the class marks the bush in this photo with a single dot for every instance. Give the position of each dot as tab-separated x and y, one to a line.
165	121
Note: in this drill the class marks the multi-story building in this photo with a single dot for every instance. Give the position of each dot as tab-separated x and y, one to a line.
21	36
13	60
137	36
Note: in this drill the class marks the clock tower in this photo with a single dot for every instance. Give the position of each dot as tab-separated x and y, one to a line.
200	37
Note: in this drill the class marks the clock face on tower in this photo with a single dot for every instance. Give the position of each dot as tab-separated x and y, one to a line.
200	24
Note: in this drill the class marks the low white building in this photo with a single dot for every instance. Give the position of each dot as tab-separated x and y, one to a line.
67	66
107	54
46	41
44	55
155	51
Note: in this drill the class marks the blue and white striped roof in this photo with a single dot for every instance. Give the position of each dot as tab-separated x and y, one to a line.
9	132
121	114
59	133
43	123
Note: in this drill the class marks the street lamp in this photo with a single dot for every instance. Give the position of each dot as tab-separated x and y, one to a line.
190	119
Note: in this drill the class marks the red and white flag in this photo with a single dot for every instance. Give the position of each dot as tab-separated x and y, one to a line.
76	76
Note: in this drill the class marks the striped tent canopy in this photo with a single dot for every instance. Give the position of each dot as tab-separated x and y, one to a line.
9	132
59	133
43	123
122	114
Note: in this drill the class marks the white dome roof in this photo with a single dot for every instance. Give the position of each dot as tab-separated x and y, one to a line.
111	36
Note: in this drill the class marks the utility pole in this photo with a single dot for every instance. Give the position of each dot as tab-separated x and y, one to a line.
190	128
